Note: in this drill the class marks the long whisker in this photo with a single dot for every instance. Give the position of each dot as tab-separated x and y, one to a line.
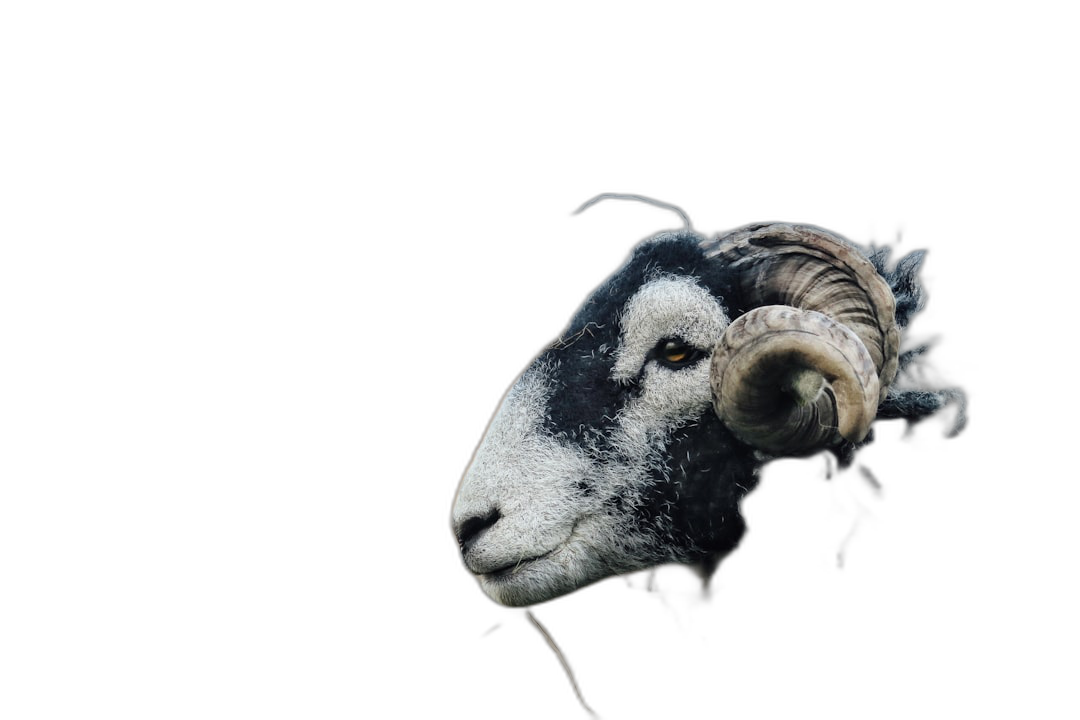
562	660
637	198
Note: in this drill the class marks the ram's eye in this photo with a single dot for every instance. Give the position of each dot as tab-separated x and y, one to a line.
676	353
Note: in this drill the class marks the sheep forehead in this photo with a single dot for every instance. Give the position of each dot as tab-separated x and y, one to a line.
666	306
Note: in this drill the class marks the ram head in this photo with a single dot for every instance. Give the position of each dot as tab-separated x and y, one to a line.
631	440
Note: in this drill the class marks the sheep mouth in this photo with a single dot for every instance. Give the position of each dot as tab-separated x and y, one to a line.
508	571
516	567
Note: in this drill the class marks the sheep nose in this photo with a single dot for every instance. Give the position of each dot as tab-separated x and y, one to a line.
470	528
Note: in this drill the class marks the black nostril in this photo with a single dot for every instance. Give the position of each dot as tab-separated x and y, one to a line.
472	527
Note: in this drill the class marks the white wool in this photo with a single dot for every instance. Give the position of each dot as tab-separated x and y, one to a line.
513	470
668	306
555	535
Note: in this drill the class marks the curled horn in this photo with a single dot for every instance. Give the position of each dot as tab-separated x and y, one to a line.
806	367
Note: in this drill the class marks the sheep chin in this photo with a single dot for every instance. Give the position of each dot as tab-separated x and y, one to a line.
552	575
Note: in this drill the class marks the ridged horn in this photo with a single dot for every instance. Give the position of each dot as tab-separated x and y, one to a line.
807	364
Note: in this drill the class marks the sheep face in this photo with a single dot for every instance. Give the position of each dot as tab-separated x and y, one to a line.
605	456
632	439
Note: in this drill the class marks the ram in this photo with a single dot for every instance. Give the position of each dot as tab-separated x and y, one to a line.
631	440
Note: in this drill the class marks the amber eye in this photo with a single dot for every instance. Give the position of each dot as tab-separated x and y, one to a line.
673	352
676	353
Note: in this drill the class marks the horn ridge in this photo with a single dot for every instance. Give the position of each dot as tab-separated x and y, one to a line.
817	307
790	381
808	267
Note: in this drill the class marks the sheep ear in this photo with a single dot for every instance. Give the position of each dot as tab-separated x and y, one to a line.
806	367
